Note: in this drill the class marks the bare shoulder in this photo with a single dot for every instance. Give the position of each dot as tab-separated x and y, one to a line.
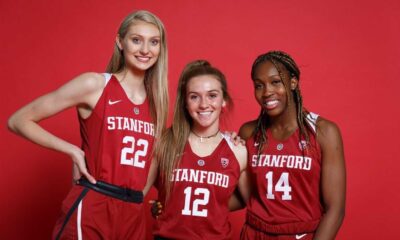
328	133
240	152
326	128
89	81
247	129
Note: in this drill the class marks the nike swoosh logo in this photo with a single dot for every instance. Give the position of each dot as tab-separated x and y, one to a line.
113	102
300	236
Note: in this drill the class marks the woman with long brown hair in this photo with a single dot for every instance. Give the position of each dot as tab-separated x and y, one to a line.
199	166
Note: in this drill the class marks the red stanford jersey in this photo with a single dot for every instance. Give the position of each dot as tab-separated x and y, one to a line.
198	203
118	138
286	197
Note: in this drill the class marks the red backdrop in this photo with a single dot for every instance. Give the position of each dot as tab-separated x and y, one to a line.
348	52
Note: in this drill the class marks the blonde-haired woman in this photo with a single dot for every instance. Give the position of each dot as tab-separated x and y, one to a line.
120	113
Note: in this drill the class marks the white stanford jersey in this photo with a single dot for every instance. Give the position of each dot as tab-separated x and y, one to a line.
117	138
286	176
198	203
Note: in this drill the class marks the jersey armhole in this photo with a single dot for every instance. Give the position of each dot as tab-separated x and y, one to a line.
107	77
228	140
312	120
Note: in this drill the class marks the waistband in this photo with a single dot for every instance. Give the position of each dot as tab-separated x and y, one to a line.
124	194
259	224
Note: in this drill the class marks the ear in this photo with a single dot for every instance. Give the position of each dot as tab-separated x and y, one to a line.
293	83
223	103
118	42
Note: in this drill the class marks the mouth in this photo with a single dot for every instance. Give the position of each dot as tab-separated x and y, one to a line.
270	104
143	59
204	113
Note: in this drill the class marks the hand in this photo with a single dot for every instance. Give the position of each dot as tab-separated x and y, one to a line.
79	167
236	139
76	174
156	208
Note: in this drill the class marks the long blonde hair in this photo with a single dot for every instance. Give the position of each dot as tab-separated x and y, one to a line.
155	79
172	143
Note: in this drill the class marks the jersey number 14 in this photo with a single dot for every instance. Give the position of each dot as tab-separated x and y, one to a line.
281	186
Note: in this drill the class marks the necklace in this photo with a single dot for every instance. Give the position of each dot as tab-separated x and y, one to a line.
206	137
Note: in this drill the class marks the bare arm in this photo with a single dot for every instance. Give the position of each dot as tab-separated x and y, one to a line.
240	197
151	177
81	91
333	180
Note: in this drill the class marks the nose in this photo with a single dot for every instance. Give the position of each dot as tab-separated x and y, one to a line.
144	48
268	90
203	103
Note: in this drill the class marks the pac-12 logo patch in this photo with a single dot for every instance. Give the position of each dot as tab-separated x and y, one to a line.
303	145
201	162
224	162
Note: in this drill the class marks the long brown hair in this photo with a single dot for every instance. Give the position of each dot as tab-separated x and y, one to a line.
155	79
173	141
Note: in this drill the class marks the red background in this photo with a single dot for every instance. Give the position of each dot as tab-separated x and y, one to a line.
348	52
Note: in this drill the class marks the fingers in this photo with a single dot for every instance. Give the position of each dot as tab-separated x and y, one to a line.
89	177
85	173
235	138
76	174
238	141
156	208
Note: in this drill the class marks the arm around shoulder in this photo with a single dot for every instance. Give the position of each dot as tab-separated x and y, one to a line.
247	129
333	179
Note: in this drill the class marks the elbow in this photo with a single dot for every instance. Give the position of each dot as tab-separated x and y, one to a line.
12	124
337	215
15	123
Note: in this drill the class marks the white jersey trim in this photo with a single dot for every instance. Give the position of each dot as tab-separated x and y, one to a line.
107	77
228	140
78	221
312	120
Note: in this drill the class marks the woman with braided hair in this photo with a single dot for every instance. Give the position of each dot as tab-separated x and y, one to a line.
295	160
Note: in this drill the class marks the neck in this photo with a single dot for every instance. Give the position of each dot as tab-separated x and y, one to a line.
132	75
287	119
204	138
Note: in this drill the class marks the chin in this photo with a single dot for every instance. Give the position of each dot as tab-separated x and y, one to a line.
273	113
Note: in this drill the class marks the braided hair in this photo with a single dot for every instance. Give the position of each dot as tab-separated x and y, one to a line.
282	61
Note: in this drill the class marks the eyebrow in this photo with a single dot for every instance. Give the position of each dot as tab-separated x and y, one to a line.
140	35
210	91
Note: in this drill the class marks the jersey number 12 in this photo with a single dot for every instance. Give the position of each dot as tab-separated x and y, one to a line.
195	206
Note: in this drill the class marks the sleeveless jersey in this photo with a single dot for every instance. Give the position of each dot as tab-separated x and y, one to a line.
286	176
198	204
117	138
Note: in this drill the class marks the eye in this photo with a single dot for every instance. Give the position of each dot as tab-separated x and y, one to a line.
155	42
213	95
136	40
258	86
276	81
193	97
